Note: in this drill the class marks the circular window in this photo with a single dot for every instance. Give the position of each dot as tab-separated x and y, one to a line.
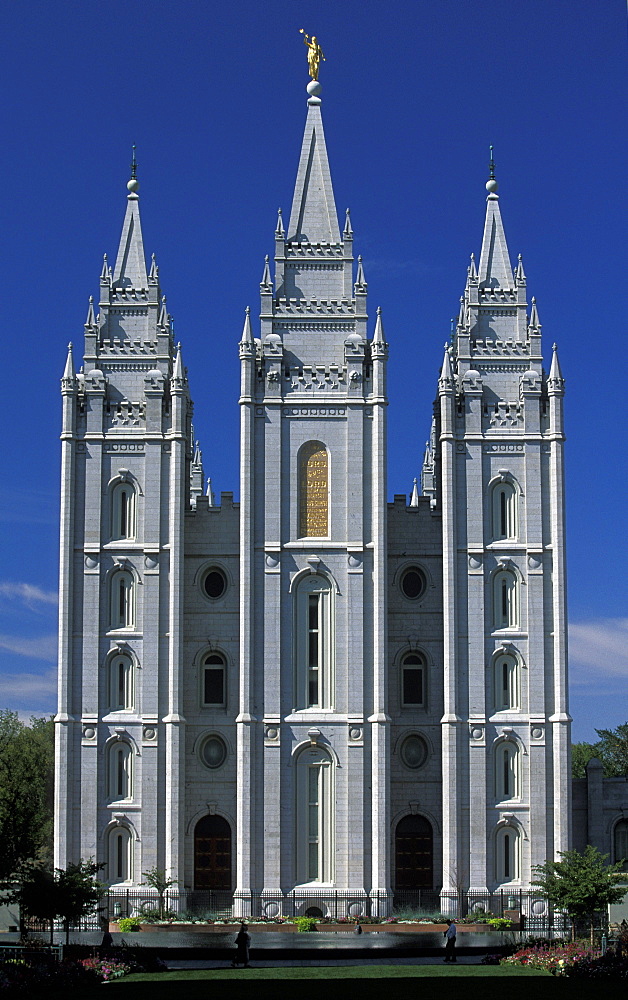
213	752
214	584
413	583
414	751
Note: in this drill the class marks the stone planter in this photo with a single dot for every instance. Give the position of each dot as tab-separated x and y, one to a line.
289	928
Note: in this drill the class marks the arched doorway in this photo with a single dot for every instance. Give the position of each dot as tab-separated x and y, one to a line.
414	857
212	853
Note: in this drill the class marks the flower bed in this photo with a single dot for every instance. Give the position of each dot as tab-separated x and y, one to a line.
558	959
288	926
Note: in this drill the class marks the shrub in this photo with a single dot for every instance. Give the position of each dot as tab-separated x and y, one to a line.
127	924
305	924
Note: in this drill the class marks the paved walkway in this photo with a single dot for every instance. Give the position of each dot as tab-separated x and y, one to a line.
321	962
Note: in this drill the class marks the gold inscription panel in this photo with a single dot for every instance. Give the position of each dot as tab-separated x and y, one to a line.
313	491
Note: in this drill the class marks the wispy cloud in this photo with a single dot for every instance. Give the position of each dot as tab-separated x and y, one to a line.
41	648
598	651
27	593
38	689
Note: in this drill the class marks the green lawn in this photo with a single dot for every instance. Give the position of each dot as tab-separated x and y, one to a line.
327	972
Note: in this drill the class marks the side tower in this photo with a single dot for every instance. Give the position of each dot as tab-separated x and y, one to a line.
125	485
312	724
499	475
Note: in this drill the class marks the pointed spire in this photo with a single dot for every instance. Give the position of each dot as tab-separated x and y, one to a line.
555	374
473	271
348	231
91	319
446	374
104	274
178	372
130	269
68	371
247	332
378	336
198	455
414	499
495	270
209	494
266	281
534	317
280	231
462	313
360	280
313	218
520	274
154	270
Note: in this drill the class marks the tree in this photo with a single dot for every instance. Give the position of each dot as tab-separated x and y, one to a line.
158	880
26	791
581	884
612	750
68	893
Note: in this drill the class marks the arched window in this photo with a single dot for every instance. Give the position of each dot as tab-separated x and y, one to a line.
313	490
314	643
120	684
315	816
122	600
123	511
507	854
412	680
213	680
504	511
620	842
120	778
505	600
414	853
506	683
212	853
507	771
120	868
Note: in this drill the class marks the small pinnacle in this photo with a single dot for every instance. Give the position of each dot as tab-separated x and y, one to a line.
491	184
379	310
247	310
554	347
70	346
359	258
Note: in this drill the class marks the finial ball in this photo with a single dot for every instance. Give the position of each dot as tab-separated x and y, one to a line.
133	186
314	88
491	186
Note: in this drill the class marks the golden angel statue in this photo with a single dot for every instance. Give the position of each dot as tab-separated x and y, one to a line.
314	54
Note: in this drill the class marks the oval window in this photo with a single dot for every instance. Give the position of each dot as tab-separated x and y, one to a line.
414	751
413	583
213	752
214	584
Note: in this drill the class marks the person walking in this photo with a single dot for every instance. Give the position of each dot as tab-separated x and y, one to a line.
243	943
450	942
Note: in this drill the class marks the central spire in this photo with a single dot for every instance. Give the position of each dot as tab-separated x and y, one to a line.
130	269
313	218
495	270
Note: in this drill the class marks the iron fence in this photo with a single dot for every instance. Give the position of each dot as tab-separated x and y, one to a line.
523	906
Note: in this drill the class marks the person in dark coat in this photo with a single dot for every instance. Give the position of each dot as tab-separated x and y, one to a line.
450	942
243	943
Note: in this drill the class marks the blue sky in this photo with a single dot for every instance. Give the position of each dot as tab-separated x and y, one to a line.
214	97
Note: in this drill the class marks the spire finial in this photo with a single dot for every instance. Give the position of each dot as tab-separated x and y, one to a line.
134	185
491	184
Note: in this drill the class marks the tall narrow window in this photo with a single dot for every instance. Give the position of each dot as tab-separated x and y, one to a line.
120	771
120	855
507	854
506	680
504	511
314	816
505	603
123	511
120	684
620	842
313	490
122	600
506	771
314	644
213	680
412	680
